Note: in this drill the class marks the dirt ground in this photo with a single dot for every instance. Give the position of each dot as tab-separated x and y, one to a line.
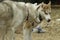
52	31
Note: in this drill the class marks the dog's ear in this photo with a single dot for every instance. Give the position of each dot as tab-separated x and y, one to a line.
41	4
49	3
35	3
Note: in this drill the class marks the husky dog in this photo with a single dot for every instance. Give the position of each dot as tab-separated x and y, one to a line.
45	10
16	13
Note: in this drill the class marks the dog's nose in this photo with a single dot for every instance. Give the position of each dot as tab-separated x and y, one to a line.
49	20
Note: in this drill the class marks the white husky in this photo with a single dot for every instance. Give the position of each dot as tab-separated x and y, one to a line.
45	10
17	13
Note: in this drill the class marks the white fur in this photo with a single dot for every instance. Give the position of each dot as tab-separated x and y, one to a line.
47	17
41	11
20	12
44	16
27	34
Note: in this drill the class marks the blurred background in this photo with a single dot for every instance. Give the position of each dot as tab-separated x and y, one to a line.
54	2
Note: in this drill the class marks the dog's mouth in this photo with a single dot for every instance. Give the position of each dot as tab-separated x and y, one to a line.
40	18
49	20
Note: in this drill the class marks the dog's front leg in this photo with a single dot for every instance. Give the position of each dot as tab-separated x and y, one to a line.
15	23
2	32
27	32
11	34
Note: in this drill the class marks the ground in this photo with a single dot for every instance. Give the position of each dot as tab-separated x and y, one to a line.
52	31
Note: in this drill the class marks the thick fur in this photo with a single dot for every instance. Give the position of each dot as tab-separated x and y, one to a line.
16	13
45	11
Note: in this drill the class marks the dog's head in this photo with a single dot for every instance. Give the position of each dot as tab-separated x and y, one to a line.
44	10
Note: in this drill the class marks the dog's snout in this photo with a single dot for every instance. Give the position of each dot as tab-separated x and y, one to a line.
49	20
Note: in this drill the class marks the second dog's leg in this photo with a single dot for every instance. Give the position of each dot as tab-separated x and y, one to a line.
38	29
27	31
